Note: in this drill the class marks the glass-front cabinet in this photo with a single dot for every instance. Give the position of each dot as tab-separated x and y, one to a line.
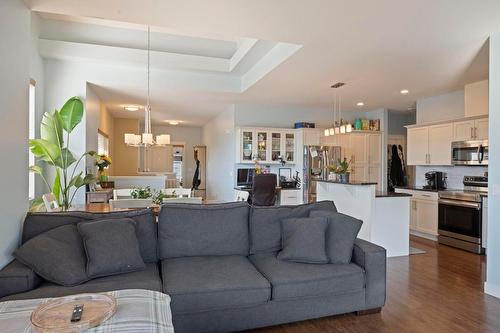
262	146
247	138
275	146
266	145
290	147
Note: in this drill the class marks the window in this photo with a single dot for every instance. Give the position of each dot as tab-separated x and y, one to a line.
31	134
102	143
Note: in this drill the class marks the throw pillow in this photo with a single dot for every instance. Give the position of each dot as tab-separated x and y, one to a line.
111	246
303	240
340	236
56	255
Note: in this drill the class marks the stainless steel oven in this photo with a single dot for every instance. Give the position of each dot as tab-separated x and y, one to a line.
469	152
460	216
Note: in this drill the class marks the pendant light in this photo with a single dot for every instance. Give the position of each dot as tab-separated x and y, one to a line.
339	126
146	140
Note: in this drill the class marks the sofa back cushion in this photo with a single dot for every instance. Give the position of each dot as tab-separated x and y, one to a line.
265	223
37	223
188	230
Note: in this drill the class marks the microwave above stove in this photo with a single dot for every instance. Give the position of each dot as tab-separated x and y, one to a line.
469	152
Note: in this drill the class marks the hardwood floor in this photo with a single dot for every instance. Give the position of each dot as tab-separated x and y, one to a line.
439	291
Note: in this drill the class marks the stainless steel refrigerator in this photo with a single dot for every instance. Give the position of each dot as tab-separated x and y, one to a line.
316	162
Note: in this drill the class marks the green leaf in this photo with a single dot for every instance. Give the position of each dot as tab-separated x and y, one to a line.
75	179
51	128
56	188
71	113
45	150
65	159
36	169
89	179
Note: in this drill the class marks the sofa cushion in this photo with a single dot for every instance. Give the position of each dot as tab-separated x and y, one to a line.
215	282
291	280
17	278
187	230
149	279
341	234
37	223
56	255
111	246
303	240
265	224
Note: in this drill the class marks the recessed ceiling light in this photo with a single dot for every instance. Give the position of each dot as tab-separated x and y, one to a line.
360	104
174	122
132	108
404	91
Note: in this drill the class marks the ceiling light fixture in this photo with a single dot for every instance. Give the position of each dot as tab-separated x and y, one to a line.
404	91
146	140
360	104
339	125
132	108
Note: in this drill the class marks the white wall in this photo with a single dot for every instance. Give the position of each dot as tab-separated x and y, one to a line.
454	174
62	81
492	285
219	137
15	35
36	73
92	119
189	136
398	120
442	107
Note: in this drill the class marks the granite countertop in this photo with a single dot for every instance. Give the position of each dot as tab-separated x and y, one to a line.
417	188
385	194
350	183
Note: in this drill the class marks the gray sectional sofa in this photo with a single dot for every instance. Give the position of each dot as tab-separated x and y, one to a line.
218	263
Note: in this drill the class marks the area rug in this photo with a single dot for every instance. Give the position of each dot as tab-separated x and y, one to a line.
414	250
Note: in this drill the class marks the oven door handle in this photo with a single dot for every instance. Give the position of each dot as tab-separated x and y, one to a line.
460	203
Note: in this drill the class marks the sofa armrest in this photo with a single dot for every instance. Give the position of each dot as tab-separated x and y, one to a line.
16	278
373	259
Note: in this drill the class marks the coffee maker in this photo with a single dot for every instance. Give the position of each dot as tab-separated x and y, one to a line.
435	180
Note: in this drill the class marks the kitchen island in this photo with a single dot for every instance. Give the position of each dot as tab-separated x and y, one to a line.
385	215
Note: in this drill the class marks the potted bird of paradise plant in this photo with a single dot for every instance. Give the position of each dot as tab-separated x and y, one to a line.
54	158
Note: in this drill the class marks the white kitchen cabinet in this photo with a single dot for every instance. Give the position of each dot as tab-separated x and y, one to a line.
358	148
423	213
311	136
427	216
290	197
476	98
418	145
430	145
266	145
472	129
481	129
440	138
463	130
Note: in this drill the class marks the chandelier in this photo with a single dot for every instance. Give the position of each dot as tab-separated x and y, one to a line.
339	126
146	140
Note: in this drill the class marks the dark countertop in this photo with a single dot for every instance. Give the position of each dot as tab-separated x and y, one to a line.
385	194
350	183
277	188
417	188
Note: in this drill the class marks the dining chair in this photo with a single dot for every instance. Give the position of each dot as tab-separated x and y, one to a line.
129	203
264	189
189	200
50	203
242	196
180	192
122	193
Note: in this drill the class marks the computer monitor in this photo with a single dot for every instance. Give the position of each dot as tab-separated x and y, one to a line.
244	177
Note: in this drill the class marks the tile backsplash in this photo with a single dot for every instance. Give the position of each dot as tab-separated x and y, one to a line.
454	174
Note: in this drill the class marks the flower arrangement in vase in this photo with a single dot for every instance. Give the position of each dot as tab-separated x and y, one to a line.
102	163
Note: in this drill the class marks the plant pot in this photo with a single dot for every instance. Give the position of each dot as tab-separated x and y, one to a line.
344	177
332	176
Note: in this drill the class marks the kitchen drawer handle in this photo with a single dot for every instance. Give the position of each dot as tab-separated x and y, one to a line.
460	203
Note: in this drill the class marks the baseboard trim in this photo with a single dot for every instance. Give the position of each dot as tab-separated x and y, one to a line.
423	235
492	289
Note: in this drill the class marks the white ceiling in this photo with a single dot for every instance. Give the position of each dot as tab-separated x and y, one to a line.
376	47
